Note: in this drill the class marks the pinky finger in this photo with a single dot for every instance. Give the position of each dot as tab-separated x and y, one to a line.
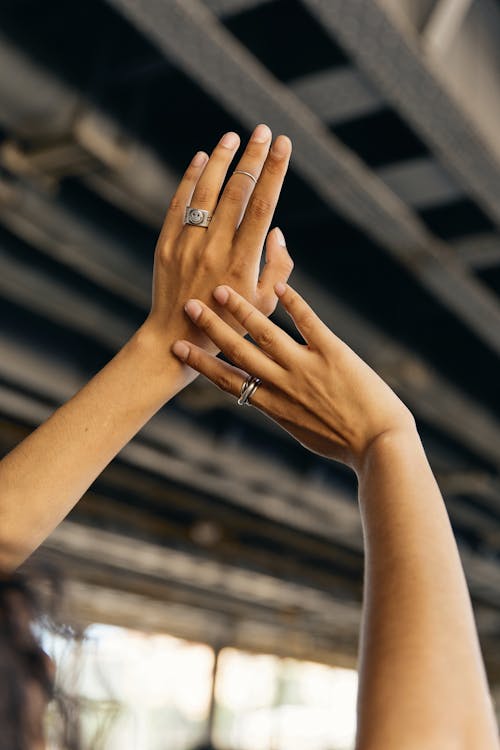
225	376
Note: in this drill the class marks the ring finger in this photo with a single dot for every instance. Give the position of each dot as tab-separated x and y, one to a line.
206	192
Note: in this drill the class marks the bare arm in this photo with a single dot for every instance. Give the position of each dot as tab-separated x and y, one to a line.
421	681
46	474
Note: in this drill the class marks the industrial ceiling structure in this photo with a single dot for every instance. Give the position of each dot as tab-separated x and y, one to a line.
212	523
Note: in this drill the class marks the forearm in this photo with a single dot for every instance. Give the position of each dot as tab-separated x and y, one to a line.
421	670
46	474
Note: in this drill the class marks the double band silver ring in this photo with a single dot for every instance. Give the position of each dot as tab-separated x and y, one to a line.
248	389
248	174
197	217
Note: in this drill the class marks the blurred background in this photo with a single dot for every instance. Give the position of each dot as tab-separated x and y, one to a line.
215	567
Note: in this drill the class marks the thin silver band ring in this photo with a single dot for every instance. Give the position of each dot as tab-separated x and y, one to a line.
248	174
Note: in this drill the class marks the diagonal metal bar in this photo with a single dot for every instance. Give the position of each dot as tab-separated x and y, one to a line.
189	34
392	57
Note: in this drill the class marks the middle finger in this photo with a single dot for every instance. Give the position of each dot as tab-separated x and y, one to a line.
260	210
240	351
239	188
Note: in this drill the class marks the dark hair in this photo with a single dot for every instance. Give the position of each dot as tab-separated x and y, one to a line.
27	675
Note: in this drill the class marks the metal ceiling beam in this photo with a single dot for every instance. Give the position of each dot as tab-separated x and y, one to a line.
393	58
75	241
337	95
55	132
39	292
420	183
205	573
417	383
81	245
190	35
479	251
443	24
231	7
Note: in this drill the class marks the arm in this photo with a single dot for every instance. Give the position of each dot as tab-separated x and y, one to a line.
420	663
46	474
421	677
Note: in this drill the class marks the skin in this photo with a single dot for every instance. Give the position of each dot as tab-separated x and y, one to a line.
49	471
422	682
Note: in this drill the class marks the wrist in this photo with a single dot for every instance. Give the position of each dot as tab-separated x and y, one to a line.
387	445
154	350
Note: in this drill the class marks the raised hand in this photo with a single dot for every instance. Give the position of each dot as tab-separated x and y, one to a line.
46	474
190	260
321	391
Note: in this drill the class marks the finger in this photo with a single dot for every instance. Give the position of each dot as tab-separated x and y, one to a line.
240	351
225	376
278	267
260	210
206	192
239	188
174	218
268	336
309	325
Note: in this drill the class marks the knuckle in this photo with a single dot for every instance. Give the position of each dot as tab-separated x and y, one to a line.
235	352
205	264
237	308
274	166
260	207
205	321
254	150
163	252
176	204
306	321
265	338
234	193
202	194
224	382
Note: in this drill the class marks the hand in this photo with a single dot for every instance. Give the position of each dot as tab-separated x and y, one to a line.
190	260
321	392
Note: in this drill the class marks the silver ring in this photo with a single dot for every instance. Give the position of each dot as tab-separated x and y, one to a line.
197	217
249	174
248	388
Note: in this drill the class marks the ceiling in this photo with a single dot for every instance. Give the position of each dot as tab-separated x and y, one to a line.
212	521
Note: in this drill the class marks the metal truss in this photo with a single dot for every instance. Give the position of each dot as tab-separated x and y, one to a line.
395	59
190	35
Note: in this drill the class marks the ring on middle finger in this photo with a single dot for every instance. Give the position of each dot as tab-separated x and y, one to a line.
248	174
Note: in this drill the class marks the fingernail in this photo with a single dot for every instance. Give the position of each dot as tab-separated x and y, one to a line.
280	237
221	294
280	288
193	309
261	134
199	159
281	146
230	140
181	350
